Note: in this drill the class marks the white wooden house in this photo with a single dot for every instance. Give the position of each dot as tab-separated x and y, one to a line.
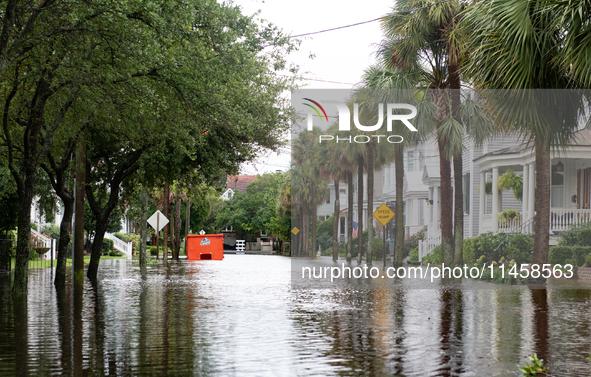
570	188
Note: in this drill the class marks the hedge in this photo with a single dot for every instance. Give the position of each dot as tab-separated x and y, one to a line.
107	246
565	254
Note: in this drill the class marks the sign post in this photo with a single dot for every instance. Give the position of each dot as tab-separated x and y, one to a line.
383	214
155	223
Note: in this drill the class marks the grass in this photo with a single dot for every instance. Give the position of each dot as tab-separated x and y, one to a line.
47	262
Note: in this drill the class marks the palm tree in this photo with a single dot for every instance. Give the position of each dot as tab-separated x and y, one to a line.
428	41
392	85
520	45
331	165
309	186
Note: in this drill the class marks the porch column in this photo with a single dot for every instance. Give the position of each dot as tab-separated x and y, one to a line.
437	206
531	206
525	193
482	205
495	199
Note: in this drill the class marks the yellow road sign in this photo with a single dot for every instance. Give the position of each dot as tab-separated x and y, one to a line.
295	230
383	214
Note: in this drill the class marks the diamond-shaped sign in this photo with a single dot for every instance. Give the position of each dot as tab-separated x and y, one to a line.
383	214
158	219
295	230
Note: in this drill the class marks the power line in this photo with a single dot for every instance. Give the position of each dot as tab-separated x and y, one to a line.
366	22
310	79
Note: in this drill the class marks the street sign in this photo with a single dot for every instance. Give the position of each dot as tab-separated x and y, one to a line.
158	220
383	214
295	230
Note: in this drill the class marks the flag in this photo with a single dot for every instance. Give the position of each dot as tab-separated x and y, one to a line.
355	229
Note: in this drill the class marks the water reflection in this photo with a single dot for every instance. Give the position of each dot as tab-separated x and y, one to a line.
240	316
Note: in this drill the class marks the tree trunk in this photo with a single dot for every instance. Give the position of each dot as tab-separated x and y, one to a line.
314	217
178	222
369	254
79	218
399	231
187	222
359	209
335	222
542	222
458	210
21	265
97	245
306	231
171	229
349	215
458	227
143	226
62	245
447	236
5	245
165	209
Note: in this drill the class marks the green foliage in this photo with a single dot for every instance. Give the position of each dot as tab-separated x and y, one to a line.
469	251
8	202
536	368
324	233
112	253
577	255
511	181
579	235
130	237
412	242
107	246
252	211
434	257
494	246
153	251
587	260
376	245
413	256
508	214
33	255
113	224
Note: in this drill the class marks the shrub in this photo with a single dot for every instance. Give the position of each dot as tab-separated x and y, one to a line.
413	256
107	246
470	251
413	241
584	237
587	260
112	253
153	251
434	257
559	254
576	236
580	253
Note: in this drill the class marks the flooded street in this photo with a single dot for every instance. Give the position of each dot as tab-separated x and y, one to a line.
240	316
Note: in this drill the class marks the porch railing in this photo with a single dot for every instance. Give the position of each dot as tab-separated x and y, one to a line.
125	247
560	221
563	219
427	245
46	241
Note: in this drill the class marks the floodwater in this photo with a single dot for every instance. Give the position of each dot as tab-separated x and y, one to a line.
240	317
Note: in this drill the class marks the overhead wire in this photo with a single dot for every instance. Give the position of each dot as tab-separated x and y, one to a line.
366	22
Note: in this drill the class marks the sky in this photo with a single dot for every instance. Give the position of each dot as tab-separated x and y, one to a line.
339	57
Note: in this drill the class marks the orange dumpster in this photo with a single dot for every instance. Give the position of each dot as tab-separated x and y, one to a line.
205	246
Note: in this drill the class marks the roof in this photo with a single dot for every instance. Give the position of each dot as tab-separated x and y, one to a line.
239	182
581	138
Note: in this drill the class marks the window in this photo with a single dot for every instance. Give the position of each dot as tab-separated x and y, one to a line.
404	213
557	185
466	191
342	225
411	162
